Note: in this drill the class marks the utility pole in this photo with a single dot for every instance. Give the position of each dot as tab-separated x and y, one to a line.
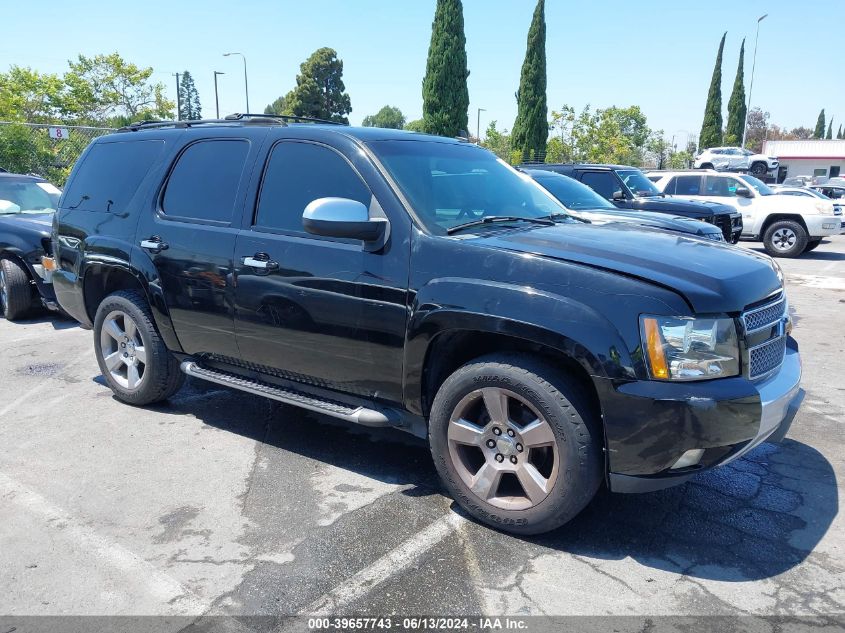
178	98
478	125
246	81
751	86
216	100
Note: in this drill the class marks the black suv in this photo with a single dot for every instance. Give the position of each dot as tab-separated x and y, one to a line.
405	280
628	188
27	204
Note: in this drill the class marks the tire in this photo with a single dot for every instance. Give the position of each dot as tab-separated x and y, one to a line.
759	169
785	238
706	166
812	244
156	376
568	461
16	291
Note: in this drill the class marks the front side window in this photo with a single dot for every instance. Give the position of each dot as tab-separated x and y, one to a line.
721	186
299	173
758	185
602	182
448	184
204	183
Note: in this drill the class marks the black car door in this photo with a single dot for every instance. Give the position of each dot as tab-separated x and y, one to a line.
319	310
190	237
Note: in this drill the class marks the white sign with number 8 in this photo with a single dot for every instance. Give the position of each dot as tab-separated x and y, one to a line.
59	133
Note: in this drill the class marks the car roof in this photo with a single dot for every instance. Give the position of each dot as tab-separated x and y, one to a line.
5	175
606	166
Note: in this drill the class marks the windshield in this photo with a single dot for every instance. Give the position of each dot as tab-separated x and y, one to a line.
448	184
762	188
27	196
572	193
636	181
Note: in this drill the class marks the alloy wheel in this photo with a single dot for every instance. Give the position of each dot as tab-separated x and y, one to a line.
503	449
123	351
784	239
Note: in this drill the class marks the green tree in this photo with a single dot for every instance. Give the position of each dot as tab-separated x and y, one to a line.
819	131
531	129
736	104
29	96
839	133
190	108
830	129
711	128
24	150
497	141
444	87
417	125
279	106
679	160
388	117
107	86
320	91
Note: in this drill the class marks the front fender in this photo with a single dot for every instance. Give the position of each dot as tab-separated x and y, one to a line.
536	316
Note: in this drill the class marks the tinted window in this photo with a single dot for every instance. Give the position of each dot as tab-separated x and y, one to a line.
603	182
299	173
204	183
571	193
721	186
687	185
110	174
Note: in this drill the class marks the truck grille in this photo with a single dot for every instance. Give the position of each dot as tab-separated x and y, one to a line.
765	338
725	224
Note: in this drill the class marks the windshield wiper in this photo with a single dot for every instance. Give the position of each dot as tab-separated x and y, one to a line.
490	219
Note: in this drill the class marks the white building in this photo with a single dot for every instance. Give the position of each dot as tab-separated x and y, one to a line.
813	157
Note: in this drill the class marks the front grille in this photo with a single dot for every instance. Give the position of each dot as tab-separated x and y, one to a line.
765	316
764	356
724	223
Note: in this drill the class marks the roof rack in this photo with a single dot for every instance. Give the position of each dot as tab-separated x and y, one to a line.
238	117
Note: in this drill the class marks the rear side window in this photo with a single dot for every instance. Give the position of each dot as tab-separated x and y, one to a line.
603	183
299	173
686	186
110	174
204	183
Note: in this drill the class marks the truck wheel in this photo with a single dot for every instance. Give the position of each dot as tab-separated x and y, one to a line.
759	169
15	290
785	238
516	443
134	360
812	244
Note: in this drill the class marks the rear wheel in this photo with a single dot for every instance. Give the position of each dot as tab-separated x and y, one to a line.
785	238
134	360
515	443
707	166
812	244
16	291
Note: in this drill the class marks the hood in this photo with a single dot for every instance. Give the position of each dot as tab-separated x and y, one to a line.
793	204
29	223
714	277
648	218
698	209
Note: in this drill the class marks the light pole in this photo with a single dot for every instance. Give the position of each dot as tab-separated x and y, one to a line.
751	85
478	124
246	82
216	100
178	98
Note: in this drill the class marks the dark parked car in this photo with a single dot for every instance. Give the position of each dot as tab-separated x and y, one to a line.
628	188
404	280
587	204
27	204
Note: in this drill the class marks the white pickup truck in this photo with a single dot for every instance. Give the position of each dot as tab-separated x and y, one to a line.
787	225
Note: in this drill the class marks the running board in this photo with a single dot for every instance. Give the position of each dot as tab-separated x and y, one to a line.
357	415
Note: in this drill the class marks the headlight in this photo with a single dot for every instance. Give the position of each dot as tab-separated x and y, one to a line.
823	207
689	349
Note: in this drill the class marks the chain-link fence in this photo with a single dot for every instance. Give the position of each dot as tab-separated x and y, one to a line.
47	150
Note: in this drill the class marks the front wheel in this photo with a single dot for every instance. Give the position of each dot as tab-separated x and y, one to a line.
515	443
132	356
785	238
759	169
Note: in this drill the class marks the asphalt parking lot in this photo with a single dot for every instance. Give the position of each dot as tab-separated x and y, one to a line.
226	503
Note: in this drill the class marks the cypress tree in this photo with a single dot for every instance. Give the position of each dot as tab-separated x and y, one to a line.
830	129
711	128
736	105
531	129
189	107
819	132
839	133
444	88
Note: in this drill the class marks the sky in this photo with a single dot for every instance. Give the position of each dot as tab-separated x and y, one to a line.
652	53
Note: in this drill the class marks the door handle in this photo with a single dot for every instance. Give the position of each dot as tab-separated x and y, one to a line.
261	261
154	244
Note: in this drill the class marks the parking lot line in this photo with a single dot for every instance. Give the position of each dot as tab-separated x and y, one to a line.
160	586
385	567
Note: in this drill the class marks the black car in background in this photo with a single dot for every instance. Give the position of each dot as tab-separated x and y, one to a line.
587	204
27	205
628	188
